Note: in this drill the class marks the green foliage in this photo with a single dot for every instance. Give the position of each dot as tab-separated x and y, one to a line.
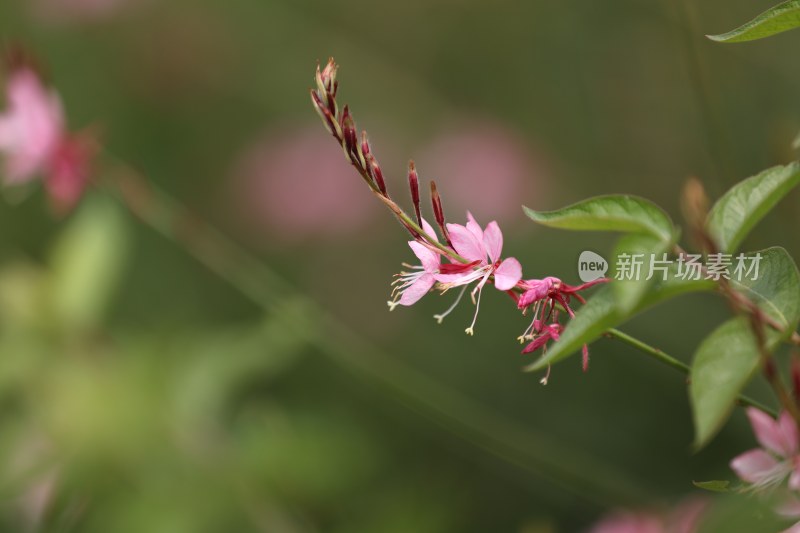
624	213
777	19
729	357
629	292
746	203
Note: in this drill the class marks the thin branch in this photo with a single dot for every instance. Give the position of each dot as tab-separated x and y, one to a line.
680	366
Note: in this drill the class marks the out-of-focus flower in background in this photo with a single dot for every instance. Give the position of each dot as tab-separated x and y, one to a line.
485	167
684	518
298	186
34	140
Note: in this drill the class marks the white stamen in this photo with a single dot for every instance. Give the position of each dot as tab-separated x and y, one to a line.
441	316
546	377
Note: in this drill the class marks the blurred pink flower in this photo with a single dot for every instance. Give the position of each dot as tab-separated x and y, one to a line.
485	167
299	186
777	458
31	127
685	518
34	141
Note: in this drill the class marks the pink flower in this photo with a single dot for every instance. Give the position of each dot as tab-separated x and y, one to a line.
34	141
545	334
685	518
482	248
411	286
544	296
778	456
296	185
31	128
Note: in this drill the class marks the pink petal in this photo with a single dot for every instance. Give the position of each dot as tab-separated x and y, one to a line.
789	433
793	529
474	227
466	244
427	257
688	514
427	228
417	290
794	478
754	466
460	279
778	437
535	290
493	241
31	127
507	274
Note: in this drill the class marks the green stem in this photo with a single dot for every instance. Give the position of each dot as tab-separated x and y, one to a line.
680	366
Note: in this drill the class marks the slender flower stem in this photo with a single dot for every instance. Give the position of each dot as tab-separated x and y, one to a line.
680	366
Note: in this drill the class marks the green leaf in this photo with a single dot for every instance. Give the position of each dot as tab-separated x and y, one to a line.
780	18
729	357
713	486
86	264
777	288
740	209
625	213
601	313
629	292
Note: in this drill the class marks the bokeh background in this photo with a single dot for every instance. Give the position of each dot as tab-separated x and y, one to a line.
141	391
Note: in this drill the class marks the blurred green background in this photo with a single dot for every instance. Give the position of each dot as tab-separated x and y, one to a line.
139	391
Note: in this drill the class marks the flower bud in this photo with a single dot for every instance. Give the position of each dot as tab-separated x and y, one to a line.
413	184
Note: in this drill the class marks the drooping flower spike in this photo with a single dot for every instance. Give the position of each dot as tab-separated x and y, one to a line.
34	140
472	254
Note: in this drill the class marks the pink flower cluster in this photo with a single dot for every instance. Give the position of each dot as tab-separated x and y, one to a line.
34	140
466	256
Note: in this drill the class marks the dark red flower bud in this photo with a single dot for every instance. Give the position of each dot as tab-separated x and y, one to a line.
438	212
377	174
413	184
364	144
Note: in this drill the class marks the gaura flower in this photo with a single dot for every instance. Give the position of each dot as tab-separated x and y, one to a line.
411	286
31	128
684	518
545	296
34	141
482	248
778	457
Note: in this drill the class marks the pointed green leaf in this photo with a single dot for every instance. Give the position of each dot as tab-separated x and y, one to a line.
740	209
777	287
713	486
601	313
629	292
729	357
780	18
625	213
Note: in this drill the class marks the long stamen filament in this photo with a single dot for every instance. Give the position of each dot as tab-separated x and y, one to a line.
449	310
